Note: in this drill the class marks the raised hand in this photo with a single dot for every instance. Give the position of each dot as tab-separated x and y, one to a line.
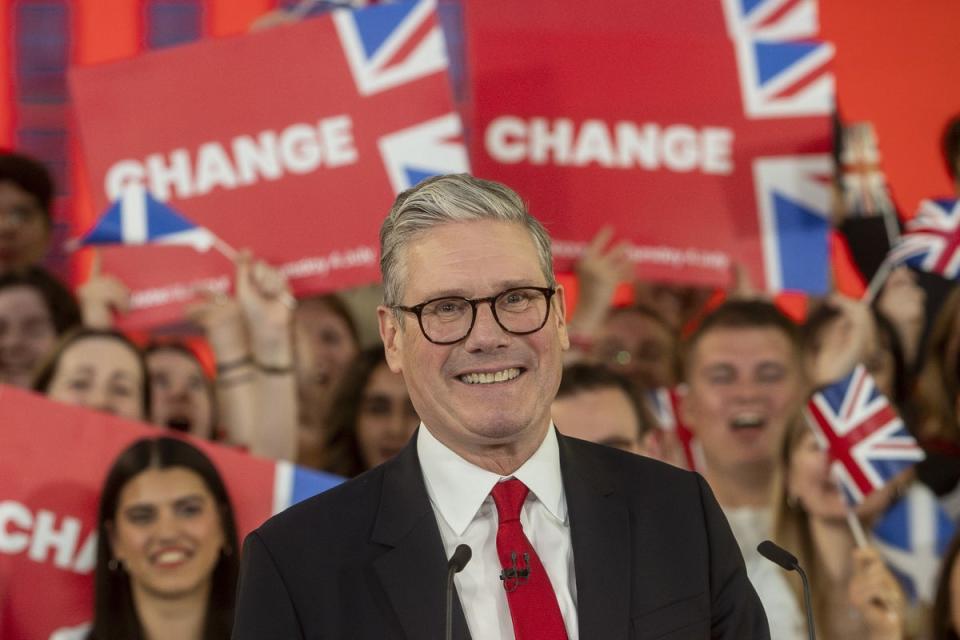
267	305
874	592
599	270
101	296
903	302
844	341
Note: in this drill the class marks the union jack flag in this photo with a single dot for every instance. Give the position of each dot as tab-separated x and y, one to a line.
772	19
784	70
793	201
866	440
430	148
664	403
391	44
931	241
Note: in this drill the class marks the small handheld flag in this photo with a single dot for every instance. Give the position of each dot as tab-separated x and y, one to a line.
137	218
912	535
866	440
931	241
664	402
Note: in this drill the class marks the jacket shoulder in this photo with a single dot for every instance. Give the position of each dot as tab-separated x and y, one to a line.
625	469
321	519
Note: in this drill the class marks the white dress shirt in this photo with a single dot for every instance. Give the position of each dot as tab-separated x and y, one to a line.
751	526
460	496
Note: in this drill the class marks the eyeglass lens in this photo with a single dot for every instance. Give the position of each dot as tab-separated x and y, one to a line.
517	311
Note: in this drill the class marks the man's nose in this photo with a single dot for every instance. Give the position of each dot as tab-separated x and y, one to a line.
748	391
486	333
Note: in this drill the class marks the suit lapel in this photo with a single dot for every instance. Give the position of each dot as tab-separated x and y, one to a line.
414	571
601	538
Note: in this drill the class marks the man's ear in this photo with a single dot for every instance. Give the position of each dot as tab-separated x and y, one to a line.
560	317
392	335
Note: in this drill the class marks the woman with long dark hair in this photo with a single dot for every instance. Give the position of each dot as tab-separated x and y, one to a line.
167	547
371	417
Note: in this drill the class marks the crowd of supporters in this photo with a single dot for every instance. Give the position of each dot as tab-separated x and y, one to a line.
293	380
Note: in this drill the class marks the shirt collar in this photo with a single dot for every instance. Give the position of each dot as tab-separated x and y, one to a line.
457	488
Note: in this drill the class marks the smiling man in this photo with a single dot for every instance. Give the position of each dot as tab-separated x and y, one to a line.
569	539
744	384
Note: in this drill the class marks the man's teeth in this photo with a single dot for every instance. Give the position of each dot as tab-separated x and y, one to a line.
489	378
747	420
170	557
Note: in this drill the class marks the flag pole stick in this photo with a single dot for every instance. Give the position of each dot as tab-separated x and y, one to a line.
228	252
232	254
856	528
877	282
891	223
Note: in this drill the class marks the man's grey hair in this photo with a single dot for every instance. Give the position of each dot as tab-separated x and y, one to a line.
442	200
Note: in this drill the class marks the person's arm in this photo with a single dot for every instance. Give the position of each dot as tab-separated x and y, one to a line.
903	302
264	608
101	296
874	592
236	380
845	341
267	306
735	608
599	270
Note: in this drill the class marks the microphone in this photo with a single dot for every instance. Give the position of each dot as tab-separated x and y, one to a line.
780	556
515	575
461	556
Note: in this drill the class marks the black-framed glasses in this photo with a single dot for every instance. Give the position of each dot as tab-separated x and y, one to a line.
520	310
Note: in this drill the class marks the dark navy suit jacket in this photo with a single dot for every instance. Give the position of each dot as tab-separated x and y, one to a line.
653	555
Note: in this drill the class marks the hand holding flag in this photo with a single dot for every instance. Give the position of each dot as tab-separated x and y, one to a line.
102	295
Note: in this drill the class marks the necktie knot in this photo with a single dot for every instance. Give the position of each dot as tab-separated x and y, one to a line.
509	496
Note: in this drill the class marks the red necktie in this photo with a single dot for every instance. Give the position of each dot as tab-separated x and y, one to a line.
533	604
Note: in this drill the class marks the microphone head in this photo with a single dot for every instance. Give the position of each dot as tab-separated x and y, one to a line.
778	555
461	556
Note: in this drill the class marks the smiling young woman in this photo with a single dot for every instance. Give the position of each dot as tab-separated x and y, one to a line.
167	549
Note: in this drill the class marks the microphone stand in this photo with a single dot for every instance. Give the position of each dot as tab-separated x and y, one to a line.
806	601
780	556
459	559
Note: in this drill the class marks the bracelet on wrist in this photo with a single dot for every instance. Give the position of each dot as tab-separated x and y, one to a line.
273	370
230	365
235	380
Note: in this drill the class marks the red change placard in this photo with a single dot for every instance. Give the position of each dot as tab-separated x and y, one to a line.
291	141
701	132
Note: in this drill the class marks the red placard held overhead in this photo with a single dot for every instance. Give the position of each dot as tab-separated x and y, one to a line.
292	141
700	131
